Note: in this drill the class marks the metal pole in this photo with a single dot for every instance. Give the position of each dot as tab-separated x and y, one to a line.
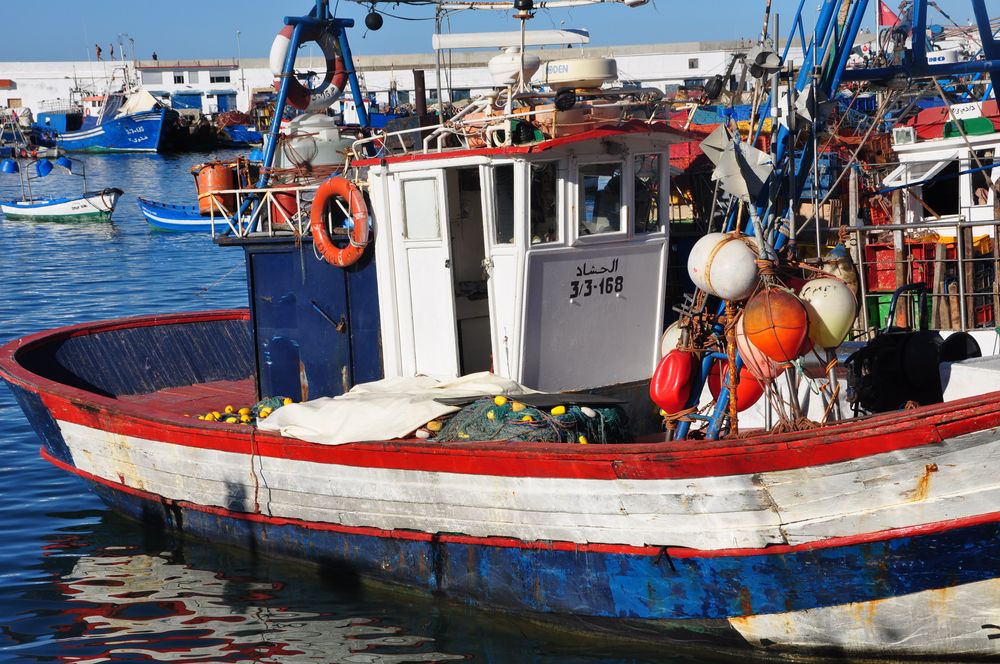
239	62
287	72
437	67
352	74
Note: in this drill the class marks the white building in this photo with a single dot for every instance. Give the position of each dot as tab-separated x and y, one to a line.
217	85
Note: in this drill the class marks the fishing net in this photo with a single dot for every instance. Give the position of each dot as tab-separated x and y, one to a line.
271	403
511	421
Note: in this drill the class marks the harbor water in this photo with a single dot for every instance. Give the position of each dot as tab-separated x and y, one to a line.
81	584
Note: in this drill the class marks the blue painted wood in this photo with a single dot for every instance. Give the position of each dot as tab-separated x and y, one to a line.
146	359
42	423
316	326
183	218
365	324
610	585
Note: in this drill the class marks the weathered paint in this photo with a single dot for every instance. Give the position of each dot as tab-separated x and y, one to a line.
718	534
960	620
595	582
313	322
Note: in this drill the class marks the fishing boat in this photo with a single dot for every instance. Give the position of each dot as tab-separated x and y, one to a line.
173	217
447	373
213	212
129	119
88	206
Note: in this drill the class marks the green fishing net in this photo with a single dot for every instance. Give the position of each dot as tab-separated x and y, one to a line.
485	420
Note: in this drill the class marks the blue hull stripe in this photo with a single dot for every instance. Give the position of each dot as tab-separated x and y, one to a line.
596	583
178	217
141	132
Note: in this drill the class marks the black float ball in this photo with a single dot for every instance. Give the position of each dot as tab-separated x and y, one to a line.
373	21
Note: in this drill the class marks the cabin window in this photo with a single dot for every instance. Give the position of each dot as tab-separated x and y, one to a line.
544	193
648	172
982	182
503	203
420	209
600	198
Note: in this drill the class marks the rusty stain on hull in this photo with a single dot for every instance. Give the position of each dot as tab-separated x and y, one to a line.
303	382
923	487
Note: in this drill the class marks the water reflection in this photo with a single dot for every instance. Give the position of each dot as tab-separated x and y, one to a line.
129	605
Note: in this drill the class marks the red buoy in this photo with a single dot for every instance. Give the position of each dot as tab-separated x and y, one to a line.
777	323
670	386
749	390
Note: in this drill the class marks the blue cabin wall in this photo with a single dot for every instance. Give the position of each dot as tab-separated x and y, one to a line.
315	326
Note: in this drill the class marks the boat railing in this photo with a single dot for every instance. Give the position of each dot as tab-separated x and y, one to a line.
956	258
472	127
244	212
59	106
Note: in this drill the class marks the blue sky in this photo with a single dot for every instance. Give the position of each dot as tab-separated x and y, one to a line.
68	29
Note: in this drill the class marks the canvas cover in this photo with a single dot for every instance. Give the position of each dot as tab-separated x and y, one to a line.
383	409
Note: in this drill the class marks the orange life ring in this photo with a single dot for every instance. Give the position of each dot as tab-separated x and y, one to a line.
333	84
331	253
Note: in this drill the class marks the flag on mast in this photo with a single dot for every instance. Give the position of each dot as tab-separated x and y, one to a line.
886	17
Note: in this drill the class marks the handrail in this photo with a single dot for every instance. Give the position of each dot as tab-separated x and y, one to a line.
459	125
241	222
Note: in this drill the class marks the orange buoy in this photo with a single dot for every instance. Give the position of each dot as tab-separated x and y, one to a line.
757	363
749	390
776	322
670	386
211	177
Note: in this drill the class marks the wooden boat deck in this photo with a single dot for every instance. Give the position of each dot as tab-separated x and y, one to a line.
198	399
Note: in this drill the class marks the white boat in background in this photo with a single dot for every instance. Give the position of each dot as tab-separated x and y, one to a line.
92	205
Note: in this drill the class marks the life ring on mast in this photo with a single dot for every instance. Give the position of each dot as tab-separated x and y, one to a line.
358	238
333	85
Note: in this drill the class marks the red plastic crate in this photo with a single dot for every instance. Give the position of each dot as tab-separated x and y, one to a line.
880	266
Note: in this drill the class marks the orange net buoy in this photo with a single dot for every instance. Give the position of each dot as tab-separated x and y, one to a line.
777	323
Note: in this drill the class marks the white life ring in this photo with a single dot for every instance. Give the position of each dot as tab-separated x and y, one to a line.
299	96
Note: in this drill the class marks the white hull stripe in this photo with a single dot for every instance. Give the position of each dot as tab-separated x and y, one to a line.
888	491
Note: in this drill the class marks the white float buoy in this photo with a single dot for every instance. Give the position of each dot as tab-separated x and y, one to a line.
670	338
831	307
723	265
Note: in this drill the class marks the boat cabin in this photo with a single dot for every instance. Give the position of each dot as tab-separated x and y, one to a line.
941	204
545	263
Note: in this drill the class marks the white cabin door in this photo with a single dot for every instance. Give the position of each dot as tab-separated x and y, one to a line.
425	296
501	200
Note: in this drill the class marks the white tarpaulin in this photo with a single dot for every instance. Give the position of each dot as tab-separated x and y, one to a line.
381	410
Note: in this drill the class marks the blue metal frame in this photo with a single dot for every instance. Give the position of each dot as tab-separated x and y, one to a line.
320	15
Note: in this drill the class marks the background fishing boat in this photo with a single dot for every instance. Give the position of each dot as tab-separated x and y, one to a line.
127	118
172	217
88	206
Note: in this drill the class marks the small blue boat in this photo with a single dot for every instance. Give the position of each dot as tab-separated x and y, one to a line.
170	217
